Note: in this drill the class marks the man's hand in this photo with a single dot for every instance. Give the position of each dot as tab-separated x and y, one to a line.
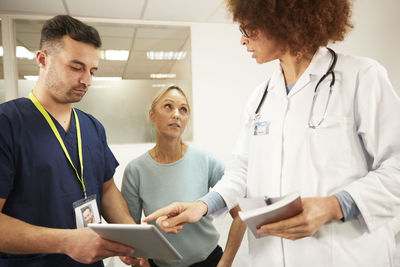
316	212
85	246
173	217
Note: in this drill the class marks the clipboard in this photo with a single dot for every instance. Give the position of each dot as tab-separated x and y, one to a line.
146	239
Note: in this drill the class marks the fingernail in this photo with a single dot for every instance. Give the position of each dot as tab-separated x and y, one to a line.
166	224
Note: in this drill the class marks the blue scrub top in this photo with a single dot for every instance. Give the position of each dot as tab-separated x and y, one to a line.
36	179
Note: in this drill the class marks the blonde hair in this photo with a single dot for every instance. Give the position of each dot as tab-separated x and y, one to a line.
163	91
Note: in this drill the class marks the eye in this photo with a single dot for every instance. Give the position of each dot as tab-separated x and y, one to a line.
93	71
167	106
75	68
184	110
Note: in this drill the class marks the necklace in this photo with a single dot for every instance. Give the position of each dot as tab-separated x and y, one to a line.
158	156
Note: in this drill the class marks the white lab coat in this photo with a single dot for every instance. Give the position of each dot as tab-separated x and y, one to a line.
357	149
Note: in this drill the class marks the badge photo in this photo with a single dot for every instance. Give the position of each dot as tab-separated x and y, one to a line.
86	211
260	128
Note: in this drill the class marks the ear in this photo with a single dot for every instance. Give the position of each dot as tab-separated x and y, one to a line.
41	58
151	115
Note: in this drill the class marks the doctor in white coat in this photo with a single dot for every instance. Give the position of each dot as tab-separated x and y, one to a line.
328	127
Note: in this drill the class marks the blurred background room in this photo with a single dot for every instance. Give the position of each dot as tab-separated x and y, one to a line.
149	44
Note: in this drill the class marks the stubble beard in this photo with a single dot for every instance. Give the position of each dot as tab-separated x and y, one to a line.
62	92
64	95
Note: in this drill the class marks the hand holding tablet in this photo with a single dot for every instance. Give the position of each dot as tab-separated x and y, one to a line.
146	239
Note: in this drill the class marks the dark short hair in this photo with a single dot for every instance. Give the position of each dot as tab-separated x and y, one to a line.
86	208
300	26
57	27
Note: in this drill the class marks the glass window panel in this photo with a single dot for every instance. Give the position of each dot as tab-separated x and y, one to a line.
122	105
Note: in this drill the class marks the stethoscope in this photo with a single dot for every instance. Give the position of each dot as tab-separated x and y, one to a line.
311	124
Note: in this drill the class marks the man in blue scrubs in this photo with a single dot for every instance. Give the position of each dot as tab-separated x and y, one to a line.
53	156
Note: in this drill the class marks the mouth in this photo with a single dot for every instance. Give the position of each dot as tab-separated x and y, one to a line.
80	90
175	125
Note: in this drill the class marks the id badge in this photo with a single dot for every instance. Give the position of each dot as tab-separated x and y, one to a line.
260	128
86	211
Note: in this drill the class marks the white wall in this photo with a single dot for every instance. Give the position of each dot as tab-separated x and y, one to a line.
376	35
224	75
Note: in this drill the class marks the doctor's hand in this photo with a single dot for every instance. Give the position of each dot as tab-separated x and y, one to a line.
316	212
173	217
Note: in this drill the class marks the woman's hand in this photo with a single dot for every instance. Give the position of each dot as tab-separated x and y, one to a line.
134	261
316	212
173	217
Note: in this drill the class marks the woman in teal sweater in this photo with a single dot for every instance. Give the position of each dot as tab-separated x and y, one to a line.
175	171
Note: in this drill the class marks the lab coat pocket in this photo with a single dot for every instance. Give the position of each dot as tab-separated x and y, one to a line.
352	238
330	145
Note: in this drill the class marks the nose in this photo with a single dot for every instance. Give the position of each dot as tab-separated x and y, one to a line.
86	79
176	114
243	40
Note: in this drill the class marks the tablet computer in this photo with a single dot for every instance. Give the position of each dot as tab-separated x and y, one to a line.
146	239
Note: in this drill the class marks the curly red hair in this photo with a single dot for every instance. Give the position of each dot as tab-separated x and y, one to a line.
300	26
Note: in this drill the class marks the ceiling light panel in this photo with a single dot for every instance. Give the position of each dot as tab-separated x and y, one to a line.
31	77
159	85
106	78
166	55
22	52
121	55
162	75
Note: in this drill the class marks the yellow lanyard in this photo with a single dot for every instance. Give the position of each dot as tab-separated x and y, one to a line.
57	134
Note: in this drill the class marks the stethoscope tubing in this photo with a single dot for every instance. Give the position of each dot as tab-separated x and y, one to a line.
330	71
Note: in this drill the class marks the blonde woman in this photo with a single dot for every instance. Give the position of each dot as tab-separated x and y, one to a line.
175	171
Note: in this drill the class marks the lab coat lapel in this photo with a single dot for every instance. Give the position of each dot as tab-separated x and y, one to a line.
300	84
277	84
318	67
